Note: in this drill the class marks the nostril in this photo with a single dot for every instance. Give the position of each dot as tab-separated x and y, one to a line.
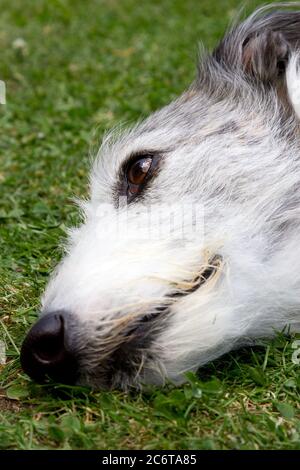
47	338
48	348
45	352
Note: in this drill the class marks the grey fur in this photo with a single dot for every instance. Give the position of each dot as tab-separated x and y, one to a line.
231	143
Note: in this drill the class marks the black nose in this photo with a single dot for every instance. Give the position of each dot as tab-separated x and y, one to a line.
45	351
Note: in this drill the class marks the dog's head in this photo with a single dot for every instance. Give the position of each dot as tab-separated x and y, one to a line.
155	281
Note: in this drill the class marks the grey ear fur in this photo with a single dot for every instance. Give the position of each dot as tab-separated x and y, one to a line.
261	45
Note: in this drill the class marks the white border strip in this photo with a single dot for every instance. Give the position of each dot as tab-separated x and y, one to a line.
2	92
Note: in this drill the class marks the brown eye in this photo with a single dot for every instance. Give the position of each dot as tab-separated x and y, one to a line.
137	173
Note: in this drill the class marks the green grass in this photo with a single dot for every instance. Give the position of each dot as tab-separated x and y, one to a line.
82	68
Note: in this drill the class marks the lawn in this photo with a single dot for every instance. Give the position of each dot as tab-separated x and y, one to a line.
72	70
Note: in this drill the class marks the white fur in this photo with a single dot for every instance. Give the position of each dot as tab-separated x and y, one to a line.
293	82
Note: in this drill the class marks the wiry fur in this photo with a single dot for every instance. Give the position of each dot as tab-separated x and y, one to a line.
231	144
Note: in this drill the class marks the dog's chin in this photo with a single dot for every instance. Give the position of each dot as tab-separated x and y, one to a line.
121	382
134	374
107	382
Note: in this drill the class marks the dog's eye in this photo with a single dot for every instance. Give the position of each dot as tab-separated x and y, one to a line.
137	172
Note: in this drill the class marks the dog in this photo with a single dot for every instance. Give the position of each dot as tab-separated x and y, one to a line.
189	245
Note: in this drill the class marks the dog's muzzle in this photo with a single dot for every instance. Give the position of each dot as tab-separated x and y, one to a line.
45	352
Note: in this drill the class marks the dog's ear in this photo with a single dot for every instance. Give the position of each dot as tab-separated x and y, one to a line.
265	56
265	50
261	46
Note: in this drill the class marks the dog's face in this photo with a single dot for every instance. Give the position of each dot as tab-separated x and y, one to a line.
142	294
138	265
